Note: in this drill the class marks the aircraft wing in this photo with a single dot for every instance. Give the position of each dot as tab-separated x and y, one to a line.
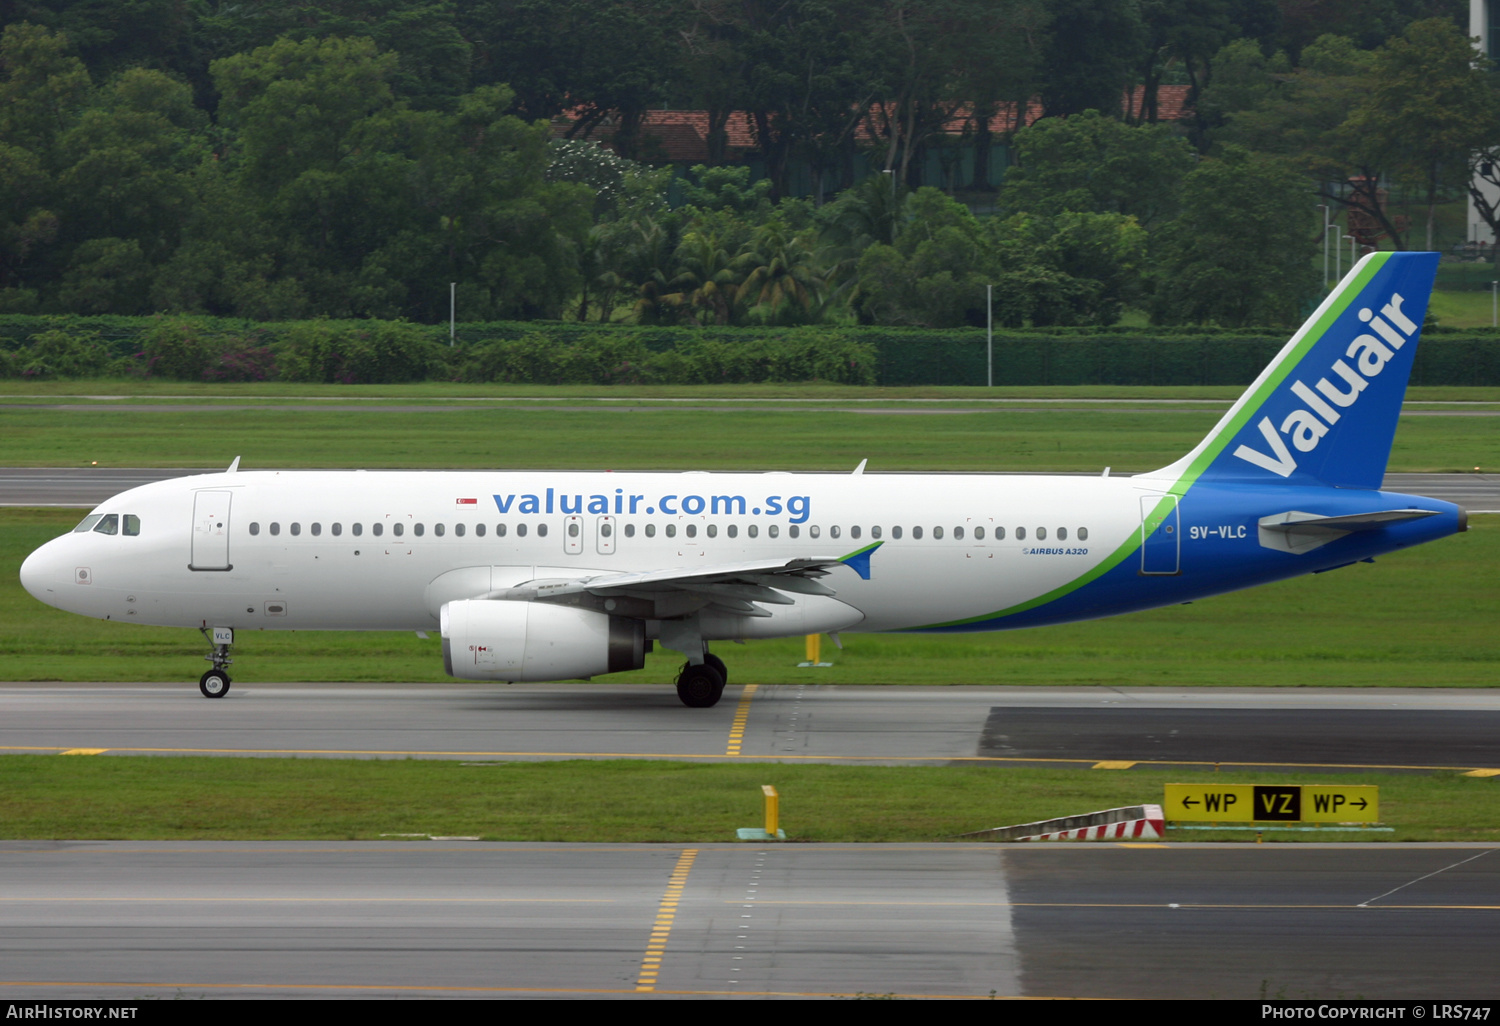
734	586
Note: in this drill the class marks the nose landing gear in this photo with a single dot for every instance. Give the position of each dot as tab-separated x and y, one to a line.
215	683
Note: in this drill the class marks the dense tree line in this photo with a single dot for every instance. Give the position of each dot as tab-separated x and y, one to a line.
286	160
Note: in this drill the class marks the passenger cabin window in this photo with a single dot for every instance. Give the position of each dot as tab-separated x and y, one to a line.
896	533
88	522
296	529
377	529
254	528
916	533
774	531
692	530
499	530
541	530
713	530
875	532
398	529
671	530
958	533
317	529
520	530
275	528
978	533
357	529
1020	534
650	530
999	534
1062	534
479	530
1083	534
793	531
417	529
1041	534
854	532
337	528
630	530
753	531
733	531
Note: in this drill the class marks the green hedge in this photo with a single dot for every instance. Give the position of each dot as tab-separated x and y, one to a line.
200	348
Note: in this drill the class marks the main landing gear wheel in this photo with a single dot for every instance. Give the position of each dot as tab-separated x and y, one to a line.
718	664
214	684
701	686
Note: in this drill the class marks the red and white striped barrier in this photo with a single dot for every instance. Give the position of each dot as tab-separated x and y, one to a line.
1131	823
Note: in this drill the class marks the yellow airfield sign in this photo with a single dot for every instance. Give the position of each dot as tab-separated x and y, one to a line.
1272	803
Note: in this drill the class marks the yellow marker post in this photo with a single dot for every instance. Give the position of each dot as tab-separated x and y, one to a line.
814	648
773	809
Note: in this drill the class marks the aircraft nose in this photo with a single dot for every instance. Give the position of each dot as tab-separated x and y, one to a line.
41	574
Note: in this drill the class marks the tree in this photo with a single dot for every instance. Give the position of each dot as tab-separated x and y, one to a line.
1304	116
1090	162
1241	251
1090	51
1431	103
342	200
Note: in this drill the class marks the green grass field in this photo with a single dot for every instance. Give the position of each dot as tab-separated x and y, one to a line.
564	433
1463	309
317	799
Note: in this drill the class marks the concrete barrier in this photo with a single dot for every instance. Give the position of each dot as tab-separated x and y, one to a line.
1131	823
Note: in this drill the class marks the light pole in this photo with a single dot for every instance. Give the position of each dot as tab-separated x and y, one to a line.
1495	304
452	310
989	335
1338	252
1352	255
892	173
1326	212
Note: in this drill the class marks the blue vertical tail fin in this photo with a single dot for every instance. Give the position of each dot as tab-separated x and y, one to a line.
1325	410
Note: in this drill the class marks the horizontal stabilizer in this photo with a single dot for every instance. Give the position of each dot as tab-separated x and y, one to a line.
1297	532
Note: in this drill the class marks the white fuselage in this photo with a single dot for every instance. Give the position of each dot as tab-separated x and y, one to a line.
356	550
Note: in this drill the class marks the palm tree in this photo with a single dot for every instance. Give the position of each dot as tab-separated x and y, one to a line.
783	283
708	279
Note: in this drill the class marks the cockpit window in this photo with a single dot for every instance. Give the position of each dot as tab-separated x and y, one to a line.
88	523
132	525
110	524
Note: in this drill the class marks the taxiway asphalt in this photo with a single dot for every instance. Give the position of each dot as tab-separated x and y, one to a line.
191	920
1333	729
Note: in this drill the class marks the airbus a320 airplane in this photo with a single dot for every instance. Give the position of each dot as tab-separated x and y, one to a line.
537	576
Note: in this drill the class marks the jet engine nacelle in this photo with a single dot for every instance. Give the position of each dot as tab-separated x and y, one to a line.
534	641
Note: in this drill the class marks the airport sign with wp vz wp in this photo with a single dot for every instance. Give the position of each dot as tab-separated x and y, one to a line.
1272	803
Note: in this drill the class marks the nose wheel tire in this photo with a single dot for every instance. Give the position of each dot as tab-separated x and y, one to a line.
214	684
700	687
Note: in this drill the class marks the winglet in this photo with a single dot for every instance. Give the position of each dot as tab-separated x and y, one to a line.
233	466
861	468
859	561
